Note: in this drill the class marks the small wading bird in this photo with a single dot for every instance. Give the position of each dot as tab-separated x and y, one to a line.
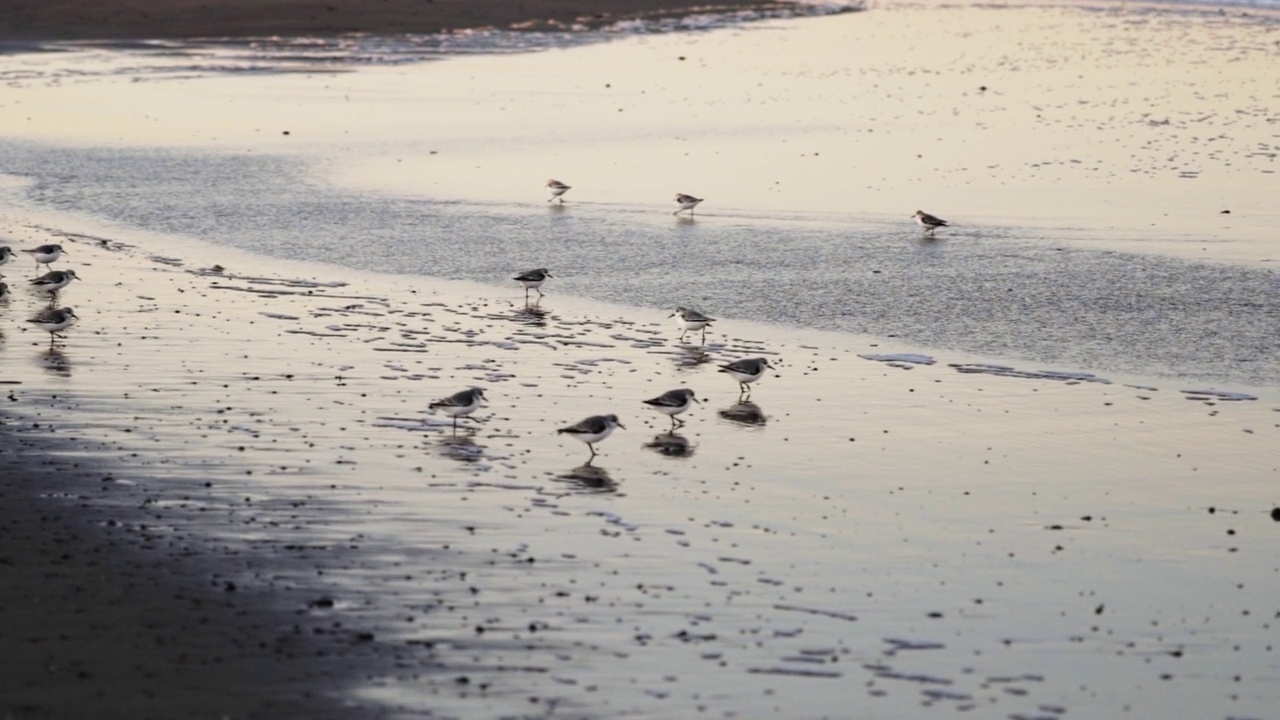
533	280
54	321
45	254
54	280
4	290
593	430
928	222
690	319
687	202
557	189
459	404
673	403
6	255
746	371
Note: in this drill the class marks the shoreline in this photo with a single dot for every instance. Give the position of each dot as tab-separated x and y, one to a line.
157	19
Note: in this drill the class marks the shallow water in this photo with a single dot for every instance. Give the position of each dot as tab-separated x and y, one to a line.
1011	292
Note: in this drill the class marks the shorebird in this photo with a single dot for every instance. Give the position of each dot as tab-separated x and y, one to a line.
593	430
54	280
928	222
533	279
4	290
459	404
556	188
746	371
687	202
673	403
54	321
690	319
6	255
45	254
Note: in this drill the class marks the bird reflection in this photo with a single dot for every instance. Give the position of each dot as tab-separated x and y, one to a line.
671	444
589	479
743	412
462	448
55	361
691	356
531	315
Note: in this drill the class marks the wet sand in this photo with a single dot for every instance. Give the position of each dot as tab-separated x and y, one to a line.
141	19
239	447
864	530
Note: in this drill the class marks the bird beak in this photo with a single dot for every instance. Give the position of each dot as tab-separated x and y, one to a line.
624	427
696	400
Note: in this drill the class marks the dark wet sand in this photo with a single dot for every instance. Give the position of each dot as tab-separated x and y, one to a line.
132	19
111	612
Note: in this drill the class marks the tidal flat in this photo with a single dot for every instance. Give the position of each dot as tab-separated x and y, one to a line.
1023	469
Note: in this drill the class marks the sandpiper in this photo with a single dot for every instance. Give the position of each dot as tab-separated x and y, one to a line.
54	321
6	255
533	279
687	202
673	403
593	430
54	280
690	319
459	404
557	189
45	254
746	371
928	222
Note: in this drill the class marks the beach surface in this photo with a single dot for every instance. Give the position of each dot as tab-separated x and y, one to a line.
226	474
166	19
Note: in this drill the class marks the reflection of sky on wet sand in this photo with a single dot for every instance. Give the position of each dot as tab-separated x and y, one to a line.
971	522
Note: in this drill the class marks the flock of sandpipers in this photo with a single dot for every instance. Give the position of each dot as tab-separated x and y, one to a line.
462	404
673	402
53	319
598	427
689	202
